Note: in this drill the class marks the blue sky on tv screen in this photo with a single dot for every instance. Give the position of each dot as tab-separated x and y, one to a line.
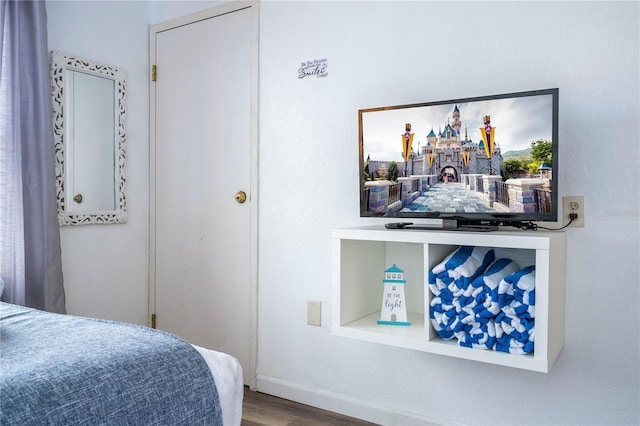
518	121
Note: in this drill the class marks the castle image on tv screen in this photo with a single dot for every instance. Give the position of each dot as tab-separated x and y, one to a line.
474	156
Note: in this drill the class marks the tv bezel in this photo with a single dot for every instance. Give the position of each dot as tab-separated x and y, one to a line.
494	218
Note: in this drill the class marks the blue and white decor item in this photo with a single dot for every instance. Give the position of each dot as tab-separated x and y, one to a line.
515	324
449	279
394	306
458	269
483	303
479	306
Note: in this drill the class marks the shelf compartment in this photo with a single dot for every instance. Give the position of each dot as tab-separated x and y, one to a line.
367	328
436	253
362	275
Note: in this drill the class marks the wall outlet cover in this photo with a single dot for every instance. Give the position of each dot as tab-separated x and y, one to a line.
314	312
573	204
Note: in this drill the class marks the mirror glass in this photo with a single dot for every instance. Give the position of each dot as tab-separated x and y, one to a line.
89	117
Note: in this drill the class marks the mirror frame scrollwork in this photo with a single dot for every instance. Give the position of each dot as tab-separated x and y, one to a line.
59	63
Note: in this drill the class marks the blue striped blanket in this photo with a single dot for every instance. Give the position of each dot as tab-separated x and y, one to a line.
65	370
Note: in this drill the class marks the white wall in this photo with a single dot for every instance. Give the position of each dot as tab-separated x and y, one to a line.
386	53
105	267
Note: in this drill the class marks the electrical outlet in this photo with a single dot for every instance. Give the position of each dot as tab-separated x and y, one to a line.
573	204
314	312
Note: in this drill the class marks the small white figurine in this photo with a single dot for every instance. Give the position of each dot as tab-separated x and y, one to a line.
394	308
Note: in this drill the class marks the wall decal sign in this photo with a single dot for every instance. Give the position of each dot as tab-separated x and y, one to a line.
317	67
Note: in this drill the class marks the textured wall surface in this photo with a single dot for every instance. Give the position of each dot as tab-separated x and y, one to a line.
390	53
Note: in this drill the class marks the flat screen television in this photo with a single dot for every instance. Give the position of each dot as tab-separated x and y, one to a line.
478	161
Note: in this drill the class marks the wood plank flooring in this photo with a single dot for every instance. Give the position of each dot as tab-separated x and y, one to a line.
260	409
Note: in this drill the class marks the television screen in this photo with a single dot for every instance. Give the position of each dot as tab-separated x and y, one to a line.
482	159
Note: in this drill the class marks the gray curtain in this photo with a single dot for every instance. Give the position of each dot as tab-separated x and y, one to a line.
30	258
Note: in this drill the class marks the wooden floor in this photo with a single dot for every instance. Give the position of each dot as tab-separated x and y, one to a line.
260	409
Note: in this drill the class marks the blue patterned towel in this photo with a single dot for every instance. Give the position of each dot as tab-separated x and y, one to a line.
519	289
458	269
485	288
482	335
515	324
448	280
444	315
479	306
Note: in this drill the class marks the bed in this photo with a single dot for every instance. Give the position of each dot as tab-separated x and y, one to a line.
63	369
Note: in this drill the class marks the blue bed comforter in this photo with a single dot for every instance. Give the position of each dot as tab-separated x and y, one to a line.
65	370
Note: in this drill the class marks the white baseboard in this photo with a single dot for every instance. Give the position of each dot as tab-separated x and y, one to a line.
346	405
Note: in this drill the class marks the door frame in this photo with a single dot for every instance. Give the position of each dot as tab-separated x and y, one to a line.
253	194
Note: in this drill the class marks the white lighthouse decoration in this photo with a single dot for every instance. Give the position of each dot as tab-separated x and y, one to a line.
394	308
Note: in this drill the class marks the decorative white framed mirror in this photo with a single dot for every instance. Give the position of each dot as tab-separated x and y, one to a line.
90	141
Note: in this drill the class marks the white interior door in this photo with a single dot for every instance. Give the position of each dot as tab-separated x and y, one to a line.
203	243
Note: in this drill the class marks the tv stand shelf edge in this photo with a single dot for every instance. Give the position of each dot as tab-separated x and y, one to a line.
362	254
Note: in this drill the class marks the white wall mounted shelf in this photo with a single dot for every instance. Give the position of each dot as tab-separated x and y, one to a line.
360	256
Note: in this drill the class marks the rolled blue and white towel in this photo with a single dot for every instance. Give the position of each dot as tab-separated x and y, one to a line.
482	335
519	289
484	289
515	324
458	269
479	306
514	334
443	315
448	280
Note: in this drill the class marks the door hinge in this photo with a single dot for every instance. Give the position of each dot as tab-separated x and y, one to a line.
153	320
154	72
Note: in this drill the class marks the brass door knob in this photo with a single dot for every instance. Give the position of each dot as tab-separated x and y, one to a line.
241	197
77	198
